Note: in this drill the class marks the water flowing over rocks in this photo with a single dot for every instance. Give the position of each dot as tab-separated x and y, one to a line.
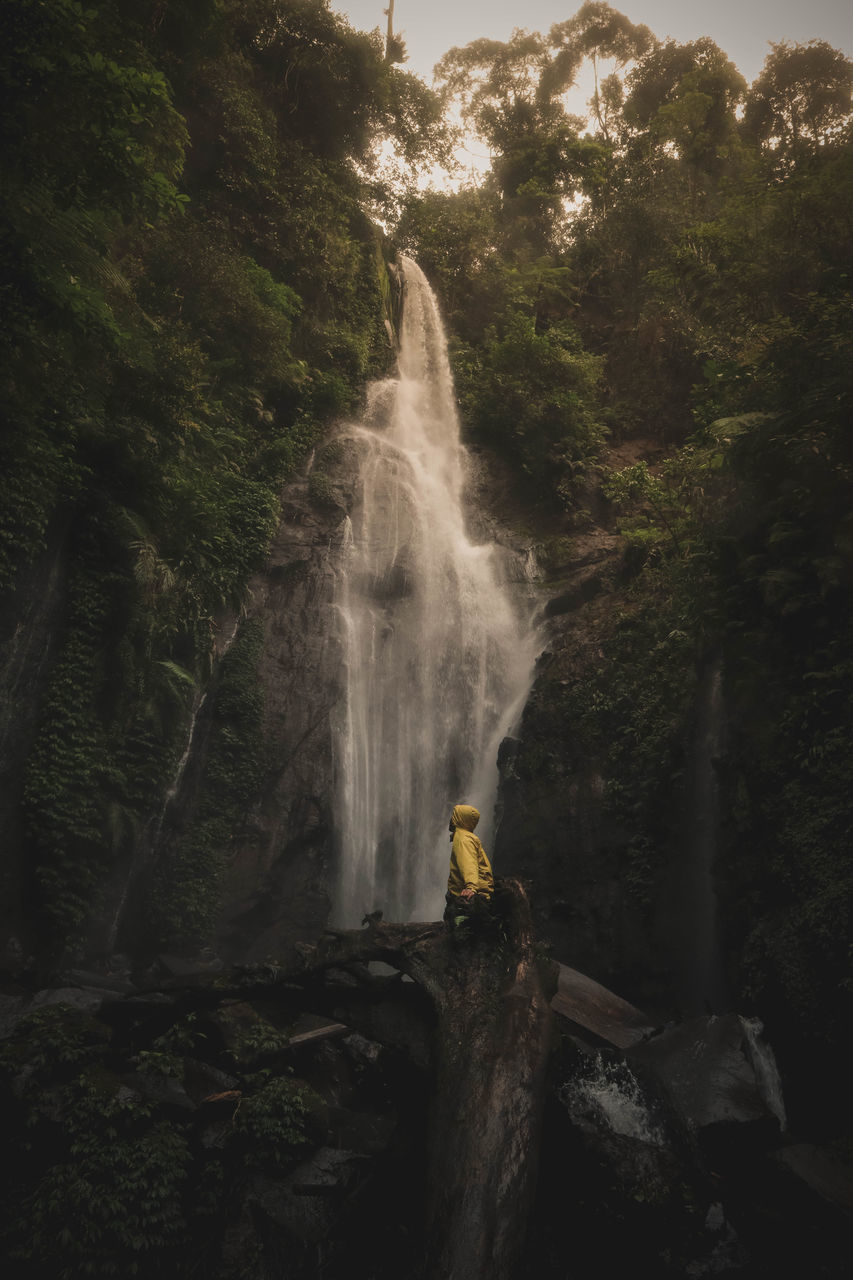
396	656
437	654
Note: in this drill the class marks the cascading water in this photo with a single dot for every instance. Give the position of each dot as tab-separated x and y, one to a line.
438	658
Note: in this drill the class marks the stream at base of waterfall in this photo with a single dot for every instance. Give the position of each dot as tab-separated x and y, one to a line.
438	644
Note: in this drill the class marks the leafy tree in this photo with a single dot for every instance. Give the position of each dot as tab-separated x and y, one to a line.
597	32
801	100
533	392
686	95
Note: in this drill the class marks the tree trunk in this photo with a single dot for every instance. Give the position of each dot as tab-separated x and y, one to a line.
481	1022
492	1045
491	1039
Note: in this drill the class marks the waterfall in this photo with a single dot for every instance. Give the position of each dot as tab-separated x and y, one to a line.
437	655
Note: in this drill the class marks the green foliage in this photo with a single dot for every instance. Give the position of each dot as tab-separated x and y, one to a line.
630	713
533	393
526	384
165	1057
50	1043
99	1175
103	1176
71	775
117	135
270	1124
114	1191
801	100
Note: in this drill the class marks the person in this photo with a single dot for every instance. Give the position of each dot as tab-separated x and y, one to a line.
471	883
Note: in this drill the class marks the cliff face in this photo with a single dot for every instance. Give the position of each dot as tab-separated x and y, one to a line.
277	885
29	616
610	862
270	856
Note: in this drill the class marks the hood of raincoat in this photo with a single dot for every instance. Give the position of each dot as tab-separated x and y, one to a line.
465	816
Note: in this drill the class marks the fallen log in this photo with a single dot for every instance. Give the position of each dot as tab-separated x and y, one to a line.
494	1035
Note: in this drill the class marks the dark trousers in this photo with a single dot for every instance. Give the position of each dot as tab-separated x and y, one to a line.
475	912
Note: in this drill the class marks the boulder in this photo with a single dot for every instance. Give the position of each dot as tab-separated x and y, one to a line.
86	999
706	1070
189	966
101	981
307	1203
12	1008
821	1170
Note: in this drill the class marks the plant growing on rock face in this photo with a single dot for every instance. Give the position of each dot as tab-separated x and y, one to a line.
269	1126
166	1056
321	491
49	1044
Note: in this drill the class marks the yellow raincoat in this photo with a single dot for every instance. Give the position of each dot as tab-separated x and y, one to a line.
469	866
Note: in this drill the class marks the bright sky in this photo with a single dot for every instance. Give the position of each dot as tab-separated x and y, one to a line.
743	28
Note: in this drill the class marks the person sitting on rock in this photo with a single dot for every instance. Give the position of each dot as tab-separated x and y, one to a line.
471	883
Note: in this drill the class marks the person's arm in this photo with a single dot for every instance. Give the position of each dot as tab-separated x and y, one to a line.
465	851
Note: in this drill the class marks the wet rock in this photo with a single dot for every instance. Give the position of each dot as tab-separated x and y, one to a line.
627	1129
620	1192
705	1067
189	967
367	1133
101	981
726	1253
277	879
202	1080
308	1203
86	999
361	1050
820	1169
12	1009
507	757
581	593
30	631
152	999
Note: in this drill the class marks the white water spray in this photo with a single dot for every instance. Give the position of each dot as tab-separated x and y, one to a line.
612	1096
438	658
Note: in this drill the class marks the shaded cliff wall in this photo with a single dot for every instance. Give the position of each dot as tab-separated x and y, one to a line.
675	793
276	885
250	875
598	795
29	616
